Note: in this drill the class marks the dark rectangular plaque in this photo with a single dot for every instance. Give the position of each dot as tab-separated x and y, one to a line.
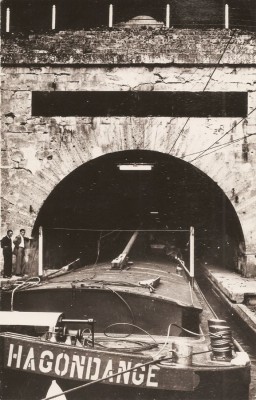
139	104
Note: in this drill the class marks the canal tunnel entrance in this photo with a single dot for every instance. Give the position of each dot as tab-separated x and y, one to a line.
136	189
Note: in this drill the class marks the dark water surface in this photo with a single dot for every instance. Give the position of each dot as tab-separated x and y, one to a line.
240	331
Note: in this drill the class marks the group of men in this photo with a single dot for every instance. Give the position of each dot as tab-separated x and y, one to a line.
15	247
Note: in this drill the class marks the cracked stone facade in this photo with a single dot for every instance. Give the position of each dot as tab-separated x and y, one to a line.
38	152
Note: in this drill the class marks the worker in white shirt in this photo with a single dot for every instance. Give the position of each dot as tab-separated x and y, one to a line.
21	243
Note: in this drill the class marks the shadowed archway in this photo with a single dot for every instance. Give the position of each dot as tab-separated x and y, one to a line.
99	197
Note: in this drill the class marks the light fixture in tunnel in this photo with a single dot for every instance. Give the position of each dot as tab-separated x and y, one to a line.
135	167
154	212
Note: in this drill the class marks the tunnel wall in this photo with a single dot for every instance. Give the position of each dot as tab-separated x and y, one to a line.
38	152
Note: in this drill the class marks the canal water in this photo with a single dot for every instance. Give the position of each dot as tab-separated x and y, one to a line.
240	332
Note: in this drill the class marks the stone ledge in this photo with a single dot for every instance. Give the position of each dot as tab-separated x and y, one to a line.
130	46
234	286
246	315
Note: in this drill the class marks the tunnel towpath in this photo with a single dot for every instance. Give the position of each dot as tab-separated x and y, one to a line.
238	292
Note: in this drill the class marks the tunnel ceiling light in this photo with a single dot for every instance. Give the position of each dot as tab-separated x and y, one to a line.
135	167
154	212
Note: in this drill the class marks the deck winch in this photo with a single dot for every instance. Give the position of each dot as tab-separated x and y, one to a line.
52	326
221	340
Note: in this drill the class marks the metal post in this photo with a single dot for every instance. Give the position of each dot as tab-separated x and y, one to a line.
7	26
167	23
226	16
110	16
192	254
40	252
53	17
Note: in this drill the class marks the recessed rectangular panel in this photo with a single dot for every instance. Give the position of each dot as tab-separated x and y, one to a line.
139	104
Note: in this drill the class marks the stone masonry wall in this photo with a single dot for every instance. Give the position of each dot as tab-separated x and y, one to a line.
131	46
39	152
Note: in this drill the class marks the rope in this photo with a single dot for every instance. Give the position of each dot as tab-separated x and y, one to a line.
123	300
127	323
138	346
166	341
151	362
22	285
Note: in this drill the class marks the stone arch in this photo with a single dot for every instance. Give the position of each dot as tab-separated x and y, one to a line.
97	195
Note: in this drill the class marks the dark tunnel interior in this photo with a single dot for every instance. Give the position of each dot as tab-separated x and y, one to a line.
84	215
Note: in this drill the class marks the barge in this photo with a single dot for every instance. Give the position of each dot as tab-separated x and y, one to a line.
119	330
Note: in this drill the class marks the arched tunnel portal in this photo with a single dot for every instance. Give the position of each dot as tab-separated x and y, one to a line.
83	215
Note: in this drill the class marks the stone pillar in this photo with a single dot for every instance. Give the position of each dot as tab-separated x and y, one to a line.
249	269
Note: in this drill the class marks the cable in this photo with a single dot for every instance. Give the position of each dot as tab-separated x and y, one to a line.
224	51
115	283
166	341
106	378
141	346
121	230
123	300
188	331
210	77
179	134
133	325
21	284
216	141
218	146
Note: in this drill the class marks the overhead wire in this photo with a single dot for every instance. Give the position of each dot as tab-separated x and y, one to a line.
207	83
226	133
121	230
214	151
220	146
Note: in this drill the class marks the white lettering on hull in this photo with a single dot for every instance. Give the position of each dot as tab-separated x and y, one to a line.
45	363
80	367
77	366
30	360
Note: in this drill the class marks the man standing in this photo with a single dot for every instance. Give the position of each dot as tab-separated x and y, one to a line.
6	244
21	243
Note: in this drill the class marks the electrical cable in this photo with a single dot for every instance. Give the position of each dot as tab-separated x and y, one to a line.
226	145
210	77
220	146
216	141
224	51
179	134
121	230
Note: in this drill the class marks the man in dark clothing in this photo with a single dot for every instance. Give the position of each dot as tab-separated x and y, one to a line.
6	244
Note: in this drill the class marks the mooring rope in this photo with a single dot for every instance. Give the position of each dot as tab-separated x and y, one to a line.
151	362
